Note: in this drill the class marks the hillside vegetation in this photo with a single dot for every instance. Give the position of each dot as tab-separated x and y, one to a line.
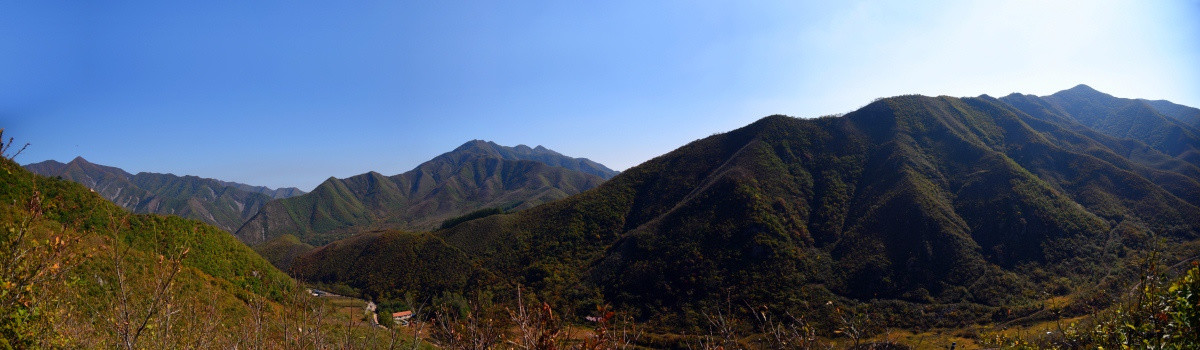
77	271
928	211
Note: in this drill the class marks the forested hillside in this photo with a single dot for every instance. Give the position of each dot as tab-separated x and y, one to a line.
930	211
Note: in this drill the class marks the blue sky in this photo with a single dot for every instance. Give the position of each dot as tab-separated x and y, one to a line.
289	93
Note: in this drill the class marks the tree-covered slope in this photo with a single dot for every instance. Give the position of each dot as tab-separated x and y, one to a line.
921	205
212	251
474	176
92	268
282	250
223	204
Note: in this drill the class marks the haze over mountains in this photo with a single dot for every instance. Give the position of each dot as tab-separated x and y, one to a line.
223	204
933	210
476	175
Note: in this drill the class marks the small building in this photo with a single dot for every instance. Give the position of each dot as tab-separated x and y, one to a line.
402	317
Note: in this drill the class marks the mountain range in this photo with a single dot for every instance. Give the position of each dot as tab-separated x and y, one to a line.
477	175
935	211
223	204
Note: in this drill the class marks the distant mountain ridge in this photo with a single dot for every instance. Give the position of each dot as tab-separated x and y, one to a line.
223	204
1188	115
1159	124
282	192
930	211
479	174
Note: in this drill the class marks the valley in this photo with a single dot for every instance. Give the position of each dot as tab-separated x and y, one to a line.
913	222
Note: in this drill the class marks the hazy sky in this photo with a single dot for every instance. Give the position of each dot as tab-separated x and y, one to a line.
288	93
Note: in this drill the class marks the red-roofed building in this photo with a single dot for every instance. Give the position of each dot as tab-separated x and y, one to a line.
401	317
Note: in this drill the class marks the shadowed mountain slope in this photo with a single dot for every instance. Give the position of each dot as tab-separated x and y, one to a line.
476	175
919	205
223	204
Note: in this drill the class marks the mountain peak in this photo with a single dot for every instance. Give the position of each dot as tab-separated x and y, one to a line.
775	118
478	174
481	148
1082	90
79	160
523	148
477	144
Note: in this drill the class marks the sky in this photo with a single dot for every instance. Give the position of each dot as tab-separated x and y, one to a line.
289	93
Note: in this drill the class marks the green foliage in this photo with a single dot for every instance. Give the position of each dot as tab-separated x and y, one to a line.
34	256
1164	316
1159	314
